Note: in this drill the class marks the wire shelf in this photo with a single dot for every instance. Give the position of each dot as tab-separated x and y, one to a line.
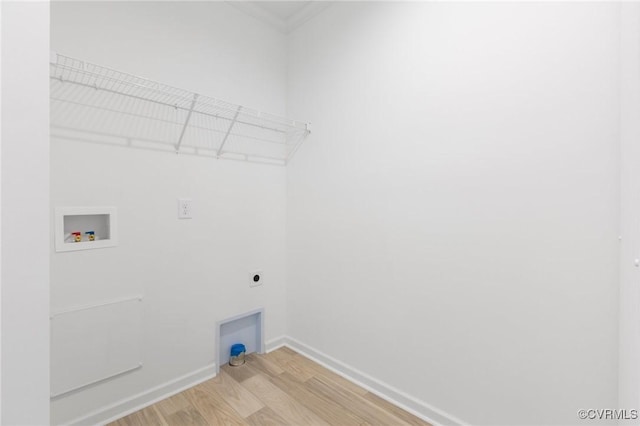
103	105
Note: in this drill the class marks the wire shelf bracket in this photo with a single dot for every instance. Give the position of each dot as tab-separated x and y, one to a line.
102	105
226	136
186	122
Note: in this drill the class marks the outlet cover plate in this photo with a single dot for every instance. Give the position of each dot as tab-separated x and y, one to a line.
185	208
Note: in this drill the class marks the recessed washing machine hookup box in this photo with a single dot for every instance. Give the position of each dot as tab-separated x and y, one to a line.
83	228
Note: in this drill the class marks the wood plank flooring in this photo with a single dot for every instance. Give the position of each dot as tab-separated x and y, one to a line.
274	389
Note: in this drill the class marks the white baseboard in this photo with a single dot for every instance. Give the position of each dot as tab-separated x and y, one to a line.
397	397
137	402
276	343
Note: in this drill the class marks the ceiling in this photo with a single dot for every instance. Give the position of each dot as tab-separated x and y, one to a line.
285	16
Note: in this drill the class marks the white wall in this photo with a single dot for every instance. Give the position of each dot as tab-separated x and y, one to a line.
25	207
457	200
629	386
453	219
192	272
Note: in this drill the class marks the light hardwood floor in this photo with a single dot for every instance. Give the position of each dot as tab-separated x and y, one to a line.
278	388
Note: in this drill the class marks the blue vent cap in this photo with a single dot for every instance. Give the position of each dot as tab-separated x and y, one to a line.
237	349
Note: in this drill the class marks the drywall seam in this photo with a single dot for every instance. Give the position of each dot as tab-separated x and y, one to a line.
395	396
141	400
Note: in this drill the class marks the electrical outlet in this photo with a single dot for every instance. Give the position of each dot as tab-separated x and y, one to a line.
184	208
256	278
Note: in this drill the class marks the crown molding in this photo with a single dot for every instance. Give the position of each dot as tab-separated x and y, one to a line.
310	10
260	14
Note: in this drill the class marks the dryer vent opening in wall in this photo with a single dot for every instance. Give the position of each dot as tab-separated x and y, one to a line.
245	328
